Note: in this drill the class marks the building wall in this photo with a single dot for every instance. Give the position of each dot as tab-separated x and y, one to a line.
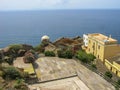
111	50
108	64
95	48
117	65
101	50
114	67
104	50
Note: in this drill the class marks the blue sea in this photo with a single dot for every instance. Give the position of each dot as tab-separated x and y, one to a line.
27	27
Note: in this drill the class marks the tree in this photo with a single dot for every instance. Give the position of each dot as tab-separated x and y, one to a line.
108	74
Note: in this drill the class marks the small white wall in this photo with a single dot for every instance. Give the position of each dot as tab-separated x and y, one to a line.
85	40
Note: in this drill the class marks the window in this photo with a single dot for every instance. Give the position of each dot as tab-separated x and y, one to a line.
89	49
116	72
98	46
89	41
98	56
111	68
93	47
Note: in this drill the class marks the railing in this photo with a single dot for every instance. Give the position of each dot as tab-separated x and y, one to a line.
113	82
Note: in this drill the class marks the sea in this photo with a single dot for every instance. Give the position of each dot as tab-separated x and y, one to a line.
27	27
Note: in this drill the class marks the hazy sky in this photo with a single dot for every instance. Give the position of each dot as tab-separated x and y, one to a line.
58	4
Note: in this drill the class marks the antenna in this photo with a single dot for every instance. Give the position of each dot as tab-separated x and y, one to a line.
110	36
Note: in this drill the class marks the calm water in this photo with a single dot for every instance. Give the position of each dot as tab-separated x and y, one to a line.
28	26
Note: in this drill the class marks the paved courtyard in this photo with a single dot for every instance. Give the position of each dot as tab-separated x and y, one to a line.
55	69
49	68
73	83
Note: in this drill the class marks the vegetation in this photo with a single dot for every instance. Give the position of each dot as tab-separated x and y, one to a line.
117	85
108	74
9	60
11	73
94	66
118	82
1	60
29	57
14	49
20	84
49	53
39	48
84	57
65	54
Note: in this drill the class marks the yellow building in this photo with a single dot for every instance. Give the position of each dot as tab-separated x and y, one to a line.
113	64
101	46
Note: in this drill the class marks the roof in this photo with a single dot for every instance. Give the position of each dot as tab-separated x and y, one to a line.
102	38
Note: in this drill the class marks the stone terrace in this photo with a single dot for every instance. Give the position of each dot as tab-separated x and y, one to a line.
53	70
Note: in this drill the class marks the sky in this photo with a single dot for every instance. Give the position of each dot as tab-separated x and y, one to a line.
7	5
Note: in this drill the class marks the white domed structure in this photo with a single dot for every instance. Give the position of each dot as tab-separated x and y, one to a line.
45	38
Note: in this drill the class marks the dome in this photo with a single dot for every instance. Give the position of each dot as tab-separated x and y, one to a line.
45	37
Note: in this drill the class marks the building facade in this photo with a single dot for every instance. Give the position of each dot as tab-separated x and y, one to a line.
101	46
113	65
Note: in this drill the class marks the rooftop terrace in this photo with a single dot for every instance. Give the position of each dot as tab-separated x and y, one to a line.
102	38
115	59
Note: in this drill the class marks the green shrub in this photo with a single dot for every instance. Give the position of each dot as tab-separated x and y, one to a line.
90	57
108	74
68	54
118	82
117	85
11	73
65	54
39	48
14	50
93	66
49	53
9	60
84	57
60	54
1	60
15	47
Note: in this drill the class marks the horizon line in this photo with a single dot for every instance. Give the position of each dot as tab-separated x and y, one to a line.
60	9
